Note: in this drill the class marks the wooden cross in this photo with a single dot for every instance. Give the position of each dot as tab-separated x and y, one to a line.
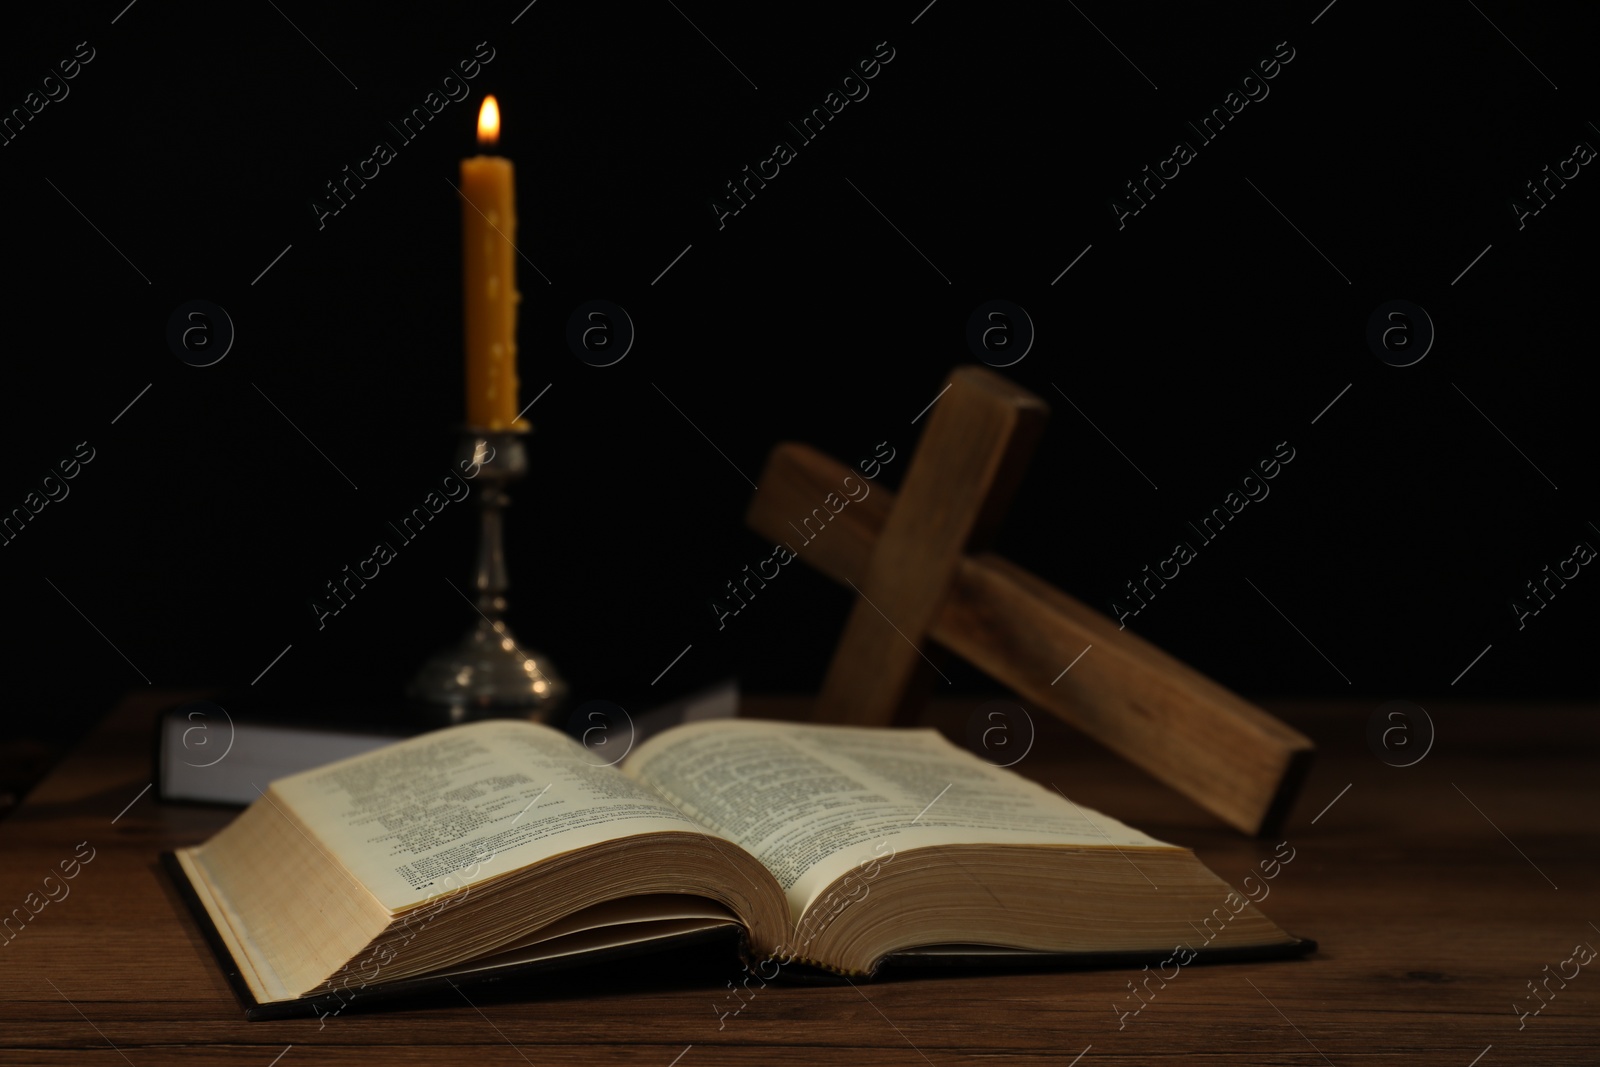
915	561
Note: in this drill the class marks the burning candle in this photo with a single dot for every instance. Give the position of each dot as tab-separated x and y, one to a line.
489	279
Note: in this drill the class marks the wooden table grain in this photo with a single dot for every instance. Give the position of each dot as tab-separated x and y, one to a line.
1438	892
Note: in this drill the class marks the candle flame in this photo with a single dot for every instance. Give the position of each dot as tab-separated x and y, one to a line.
489	121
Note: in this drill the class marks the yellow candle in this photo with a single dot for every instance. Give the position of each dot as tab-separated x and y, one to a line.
489	277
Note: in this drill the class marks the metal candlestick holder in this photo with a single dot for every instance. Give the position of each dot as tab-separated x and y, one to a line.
488	674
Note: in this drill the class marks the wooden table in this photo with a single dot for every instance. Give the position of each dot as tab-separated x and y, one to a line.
1432	889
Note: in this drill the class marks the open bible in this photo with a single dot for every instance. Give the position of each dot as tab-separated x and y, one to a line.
503	846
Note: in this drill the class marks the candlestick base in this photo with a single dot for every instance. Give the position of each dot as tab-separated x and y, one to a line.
488	674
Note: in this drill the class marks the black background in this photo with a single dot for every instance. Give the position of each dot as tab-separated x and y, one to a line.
1196	337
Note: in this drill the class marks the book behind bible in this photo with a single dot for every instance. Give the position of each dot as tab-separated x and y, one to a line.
499	846
214	751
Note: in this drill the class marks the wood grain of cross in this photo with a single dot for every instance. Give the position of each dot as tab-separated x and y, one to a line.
916	561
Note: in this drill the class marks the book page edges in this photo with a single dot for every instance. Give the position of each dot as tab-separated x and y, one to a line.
227	930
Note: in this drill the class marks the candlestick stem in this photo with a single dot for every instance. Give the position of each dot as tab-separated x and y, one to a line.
492	577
